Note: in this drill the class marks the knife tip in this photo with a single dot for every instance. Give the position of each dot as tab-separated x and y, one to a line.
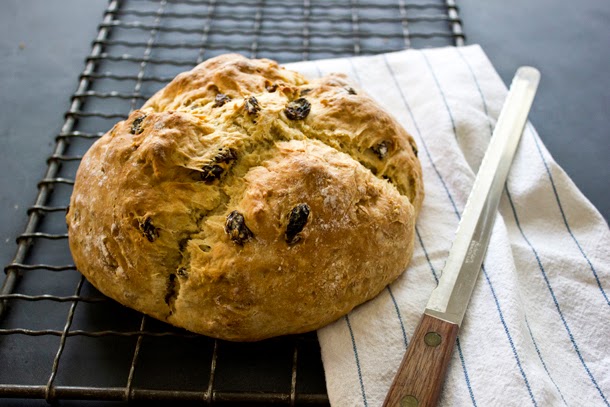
529	73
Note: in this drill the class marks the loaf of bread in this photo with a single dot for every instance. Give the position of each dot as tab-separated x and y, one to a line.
243	201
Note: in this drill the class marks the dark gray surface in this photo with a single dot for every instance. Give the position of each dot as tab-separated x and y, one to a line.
569	41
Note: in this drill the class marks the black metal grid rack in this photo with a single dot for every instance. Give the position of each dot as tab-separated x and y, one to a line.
59	337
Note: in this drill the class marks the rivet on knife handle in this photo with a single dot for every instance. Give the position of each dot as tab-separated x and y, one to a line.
421	374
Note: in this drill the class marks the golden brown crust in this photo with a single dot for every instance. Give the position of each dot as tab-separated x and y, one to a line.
236	218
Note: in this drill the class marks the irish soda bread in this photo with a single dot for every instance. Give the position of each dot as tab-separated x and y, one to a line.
243	201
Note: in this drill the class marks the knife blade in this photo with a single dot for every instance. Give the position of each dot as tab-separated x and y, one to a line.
421	373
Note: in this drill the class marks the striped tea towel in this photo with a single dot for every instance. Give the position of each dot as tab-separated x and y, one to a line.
537	331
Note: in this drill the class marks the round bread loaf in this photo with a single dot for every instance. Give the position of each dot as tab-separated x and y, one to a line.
243	201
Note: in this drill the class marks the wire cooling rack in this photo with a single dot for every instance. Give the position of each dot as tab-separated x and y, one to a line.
59	337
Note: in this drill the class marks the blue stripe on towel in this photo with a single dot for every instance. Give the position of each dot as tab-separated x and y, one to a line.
510	200
438	86
423	143
402	326
510	339
479	90
421	242
320	74
351	333
565	220
542	360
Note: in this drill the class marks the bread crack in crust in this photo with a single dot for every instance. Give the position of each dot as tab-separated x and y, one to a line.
243	201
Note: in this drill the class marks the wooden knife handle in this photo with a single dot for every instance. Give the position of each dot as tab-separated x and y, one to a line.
421	374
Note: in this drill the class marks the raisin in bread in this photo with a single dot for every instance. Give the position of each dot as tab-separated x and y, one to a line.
243	201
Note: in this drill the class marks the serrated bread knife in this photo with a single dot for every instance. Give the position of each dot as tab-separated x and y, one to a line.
421	374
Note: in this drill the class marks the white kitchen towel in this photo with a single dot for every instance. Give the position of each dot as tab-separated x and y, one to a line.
537	331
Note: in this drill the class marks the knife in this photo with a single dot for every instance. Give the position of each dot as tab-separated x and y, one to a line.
421	373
